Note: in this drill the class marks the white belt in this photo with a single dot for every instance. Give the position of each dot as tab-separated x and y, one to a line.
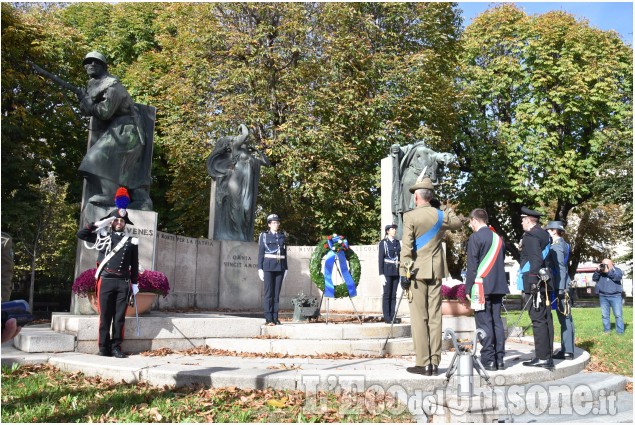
391	261
276	256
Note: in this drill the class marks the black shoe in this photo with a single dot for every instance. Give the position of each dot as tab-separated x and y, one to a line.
105	353
500	365
116	352
531	362
420	370
397	320
434	369
545	364
278	322
491	366
561	355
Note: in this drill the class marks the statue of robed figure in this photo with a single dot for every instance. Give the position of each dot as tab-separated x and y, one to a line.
234	164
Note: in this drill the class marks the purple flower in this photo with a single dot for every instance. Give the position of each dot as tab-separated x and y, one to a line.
85	283
446	292
149	281
456	292
153	281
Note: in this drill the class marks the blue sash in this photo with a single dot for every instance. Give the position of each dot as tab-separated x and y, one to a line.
329	288
423	240
525	268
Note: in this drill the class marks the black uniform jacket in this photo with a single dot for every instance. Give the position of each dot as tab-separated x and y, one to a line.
389	253
477	247
272	252
125	263
533	243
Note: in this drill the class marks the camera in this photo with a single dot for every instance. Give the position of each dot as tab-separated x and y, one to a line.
18	309
603	267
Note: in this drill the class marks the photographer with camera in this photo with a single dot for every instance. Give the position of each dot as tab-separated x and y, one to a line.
608	286
536	281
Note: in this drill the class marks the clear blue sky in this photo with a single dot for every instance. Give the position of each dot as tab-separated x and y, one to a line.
616	16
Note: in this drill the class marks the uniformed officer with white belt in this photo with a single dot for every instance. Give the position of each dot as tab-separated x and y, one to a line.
272	267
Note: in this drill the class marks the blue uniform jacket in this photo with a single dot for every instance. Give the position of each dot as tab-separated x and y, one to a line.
533	243
272	252
389	253
561	250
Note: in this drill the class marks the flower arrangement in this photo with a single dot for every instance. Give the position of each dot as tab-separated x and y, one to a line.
149	281
456	292
336	242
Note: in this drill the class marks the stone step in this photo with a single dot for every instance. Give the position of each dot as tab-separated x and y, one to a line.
41	339
303	347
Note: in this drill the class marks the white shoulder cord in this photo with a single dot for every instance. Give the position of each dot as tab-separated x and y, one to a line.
103	242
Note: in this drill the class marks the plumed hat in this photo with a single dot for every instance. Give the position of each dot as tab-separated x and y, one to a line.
122	200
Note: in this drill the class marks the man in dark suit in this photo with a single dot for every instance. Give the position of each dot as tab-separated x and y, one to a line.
486	264
534	257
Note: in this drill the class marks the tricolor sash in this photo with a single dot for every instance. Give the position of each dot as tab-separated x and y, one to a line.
478	292
423	240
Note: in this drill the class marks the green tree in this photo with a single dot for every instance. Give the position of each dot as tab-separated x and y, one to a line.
546	114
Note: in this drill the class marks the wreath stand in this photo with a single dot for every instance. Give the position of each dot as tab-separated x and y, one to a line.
349	297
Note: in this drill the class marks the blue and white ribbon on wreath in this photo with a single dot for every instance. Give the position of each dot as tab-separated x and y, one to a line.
331	256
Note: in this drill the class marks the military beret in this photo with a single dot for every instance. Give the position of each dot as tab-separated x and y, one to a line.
531	213
555	225
426	183
390	226
272	217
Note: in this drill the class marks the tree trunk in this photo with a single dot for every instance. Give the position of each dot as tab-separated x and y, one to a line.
32	286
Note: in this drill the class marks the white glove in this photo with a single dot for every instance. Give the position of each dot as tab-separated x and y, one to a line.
135	289
261	274
383	279
105	222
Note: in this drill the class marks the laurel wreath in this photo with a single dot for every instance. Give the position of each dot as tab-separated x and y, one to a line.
315	267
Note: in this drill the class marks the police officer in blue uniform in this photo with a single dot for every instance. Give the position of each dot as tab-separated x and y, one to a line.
533	257
389	254
563	303
272	267
118	265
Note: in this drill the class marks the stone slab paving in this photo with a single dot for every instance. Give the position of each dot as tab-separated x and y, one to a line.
517	383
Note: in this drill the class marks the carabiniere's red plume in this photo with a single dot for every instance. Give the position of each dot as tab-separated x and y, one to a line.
122	199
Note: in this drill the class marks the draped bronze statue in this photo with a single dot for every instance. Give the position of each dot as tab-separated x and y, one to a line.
410	164
234	164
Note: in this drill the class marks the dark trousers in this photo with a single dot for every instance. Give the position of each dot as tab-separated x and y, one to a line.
113	299
542	323
390	297
271	298
493	344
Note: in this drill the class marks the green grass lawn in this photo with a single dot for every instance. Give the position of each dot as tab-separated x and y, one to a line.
43	394
610	353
